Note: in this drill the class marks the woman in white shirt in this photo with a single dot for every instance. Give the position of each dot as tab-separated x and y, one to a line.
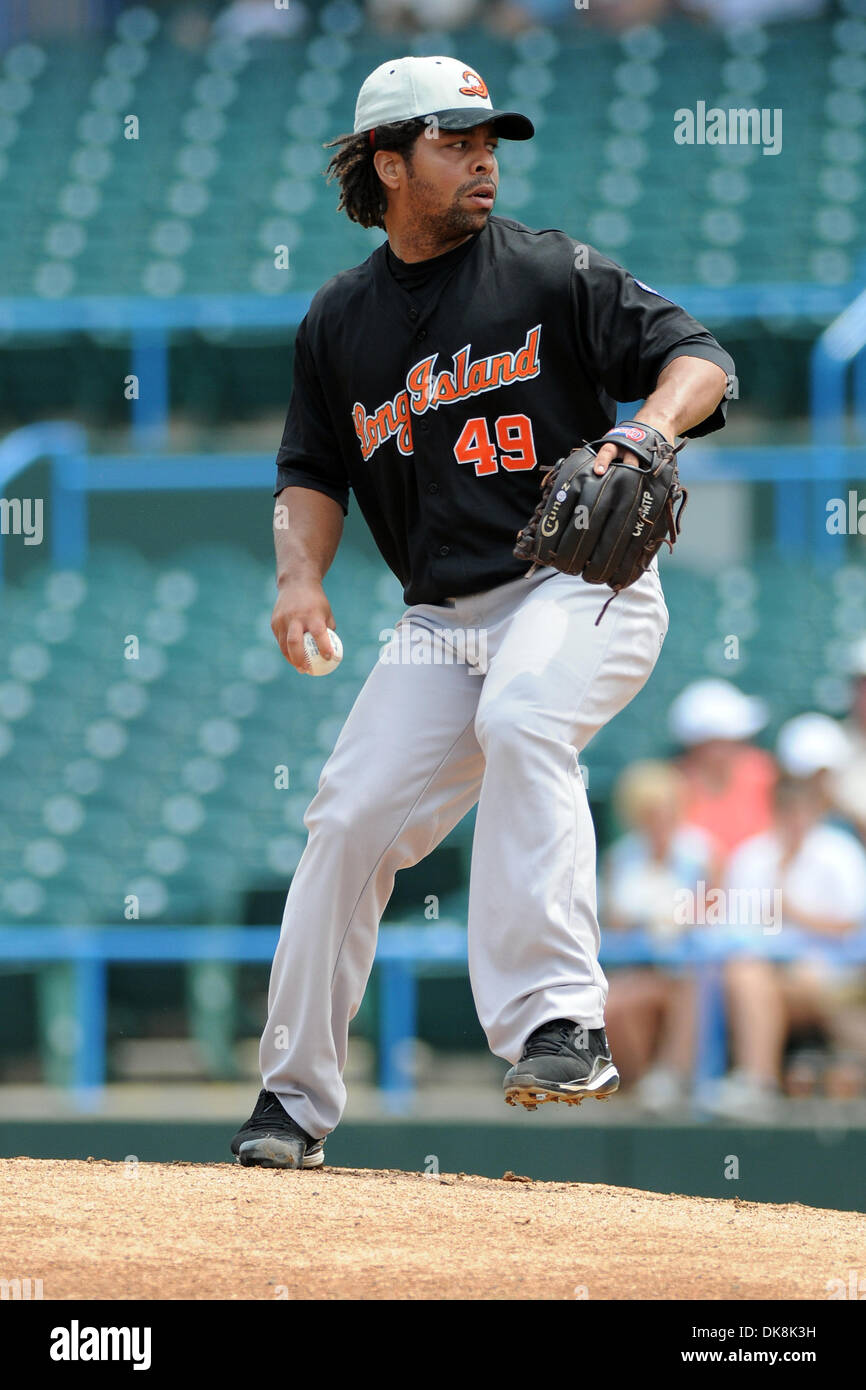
651	1008
817	874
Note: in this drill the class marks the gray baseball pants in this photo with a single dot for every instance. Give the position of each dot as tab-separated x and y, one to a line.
486	698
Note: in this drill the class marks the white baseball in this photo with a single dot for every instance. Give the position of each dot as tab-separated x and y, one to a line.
318	665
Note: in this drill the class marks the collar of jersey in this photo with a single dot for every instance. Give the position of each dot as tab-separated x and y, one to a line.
381	271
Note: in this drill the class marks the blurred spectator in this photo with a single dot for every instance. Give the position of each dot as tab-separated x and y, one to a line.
628	14
849	779
728	13
189	27
817	875
252	19
513	16
409	16
650	1010
729	782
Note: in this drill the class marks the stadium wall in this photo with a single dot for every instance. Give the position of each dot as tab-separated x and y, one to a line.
816	1167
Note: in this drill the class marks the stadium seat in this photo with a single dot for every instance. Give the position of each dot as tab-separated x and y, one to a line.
184	207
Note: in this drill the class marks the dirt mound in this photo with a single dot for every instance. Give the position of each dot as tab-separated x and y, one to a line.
96	1229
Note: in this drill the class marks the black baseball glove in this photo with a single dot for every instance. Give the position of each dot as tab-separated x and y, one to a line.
607	527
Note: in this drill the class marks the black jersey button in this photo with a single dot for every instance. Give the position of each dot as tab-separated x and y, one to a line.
444	550
422	333
423	427
413	314
432	487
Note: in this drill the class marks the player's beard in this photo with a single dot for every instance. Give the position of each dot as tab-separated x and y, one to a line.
431	222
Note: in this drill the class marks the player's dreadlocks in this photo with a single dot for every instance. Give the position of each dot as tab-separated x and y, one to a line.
362	193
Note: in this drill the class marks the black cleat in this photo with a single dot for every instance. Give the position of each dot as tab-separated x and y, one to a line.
271	1139
562	1061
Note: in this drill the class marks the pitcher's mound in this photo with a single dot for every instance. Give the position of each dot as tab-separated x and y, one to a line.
180	1230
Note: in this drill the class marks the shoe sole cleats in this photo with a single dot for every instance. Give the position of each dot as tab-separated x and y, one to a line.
272	1152
530	1092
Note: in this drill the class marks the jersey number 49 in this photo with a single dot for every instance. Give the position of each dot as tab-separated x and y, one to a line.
513	435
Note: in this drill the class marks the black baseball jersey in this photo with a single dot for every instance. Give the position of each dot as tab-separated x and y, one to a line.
439	392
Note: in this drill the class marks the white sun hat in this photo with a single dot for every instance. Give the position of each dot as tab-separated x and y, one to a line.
407	88
811	742
715	709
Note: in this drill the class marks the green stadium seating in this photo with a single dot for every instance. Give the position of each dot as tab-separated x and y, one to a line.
163	769
229	159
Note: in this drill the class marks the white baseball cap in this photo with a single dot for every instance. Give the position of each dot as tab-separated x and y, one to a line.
810	743
407	88
715	709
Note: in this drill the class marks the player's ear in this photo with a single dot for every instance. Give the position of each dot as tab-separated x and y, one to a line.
389	167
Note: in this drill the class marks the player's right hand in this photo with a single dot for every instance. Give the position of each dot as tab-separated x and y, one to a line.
300	608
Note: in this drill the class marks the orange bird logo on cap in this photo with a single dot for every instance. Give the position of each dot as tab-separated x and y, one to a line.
475	85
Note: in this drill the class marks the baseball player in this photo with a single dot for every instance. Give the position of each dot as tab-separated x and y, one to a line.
437	381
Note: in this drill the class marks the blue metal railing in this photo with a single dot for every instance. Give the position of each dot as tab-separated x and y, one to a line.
794	471
840	345
804	477
403	954
150	323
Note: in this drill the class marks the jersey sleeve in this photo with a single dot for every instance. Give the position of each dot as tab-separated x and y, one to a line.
628	332
309	454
